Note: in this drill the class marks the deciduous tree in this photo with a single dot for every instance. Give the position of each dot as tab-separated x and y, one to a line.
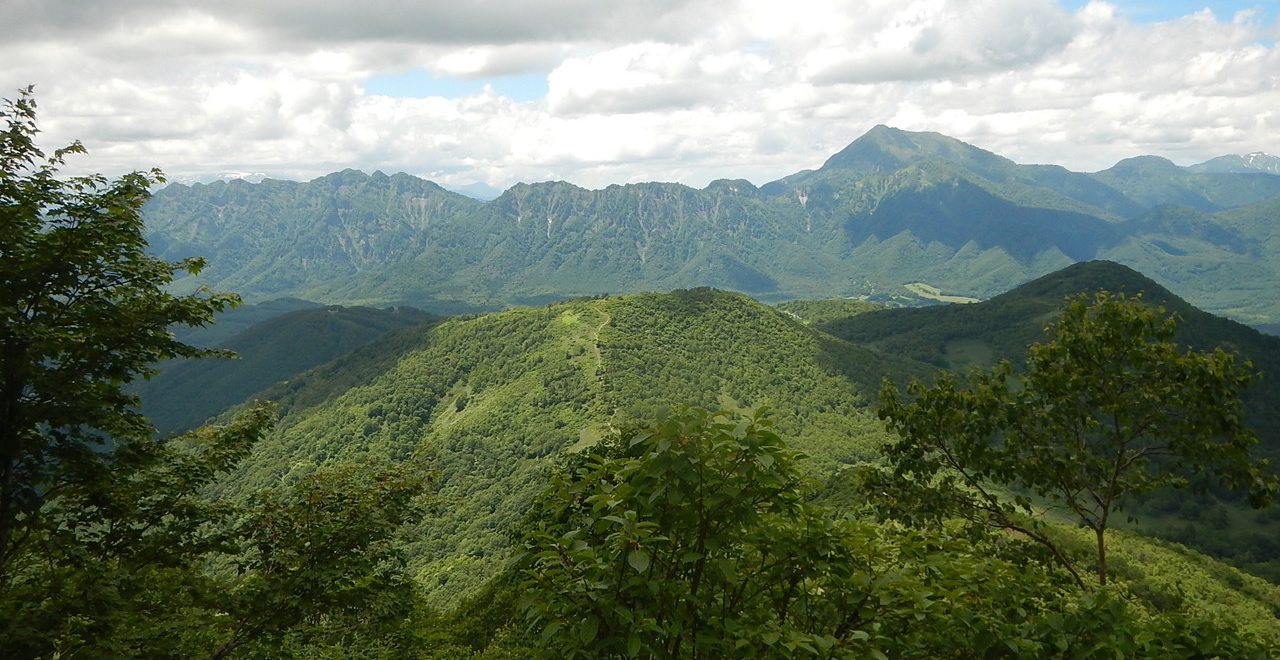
106	529
320	561
694	542
84	310
1109	406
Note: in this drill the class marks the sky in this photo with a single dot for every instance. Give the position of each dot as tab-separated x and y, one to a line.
596	93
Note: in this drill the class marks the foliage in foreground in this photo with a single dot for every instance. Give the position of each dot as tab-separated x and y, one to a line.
696	539
84	310
109	545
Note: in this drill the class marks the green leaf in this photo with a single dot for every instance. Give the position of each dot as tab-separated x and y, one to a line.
639	560
728	568
590	628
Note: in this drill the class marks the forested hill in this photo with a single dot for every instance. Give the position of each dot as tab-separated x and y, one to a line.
495	398
893	208
958	337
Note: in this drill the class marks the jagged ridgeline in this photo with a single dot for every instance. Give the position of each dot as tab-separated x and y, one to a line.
894	208
494	398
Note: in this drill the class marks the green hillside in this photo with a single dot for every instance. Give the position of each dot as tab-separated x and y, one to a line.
814	312
494	398
957	336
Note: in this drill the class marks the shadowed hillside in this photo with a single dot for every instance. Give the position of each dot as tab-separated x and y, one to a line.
186	394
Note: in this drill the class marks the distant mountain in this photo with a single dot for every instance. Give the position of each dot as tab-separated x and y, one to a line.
891	213
888	151
1249	163
480	191
1153	181
252	177
1226	262
275	236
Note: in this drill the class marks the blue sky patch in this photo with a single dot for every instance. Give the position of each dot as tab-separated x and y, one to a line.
1155	11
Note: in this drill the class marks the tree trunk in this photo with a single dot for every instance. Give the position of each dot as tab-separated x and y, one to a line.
1101	532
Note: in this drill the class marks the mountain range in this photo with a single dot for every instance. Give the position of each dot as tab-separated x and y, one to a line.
896	216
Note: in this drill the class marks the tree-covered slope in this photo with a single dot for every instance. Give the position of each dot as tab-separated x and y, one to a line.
495	398
811	312
957	336
230	322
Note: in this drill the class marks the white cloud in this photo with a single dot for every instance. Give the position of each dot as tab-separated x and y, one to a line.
687	90
932	39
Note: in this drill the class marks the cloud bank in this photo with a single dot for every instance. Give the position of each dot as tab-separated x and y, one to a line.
636	90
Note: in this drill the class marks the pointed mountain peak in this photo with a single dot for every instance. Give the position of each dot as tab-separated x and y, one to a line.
1094	275
884	148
